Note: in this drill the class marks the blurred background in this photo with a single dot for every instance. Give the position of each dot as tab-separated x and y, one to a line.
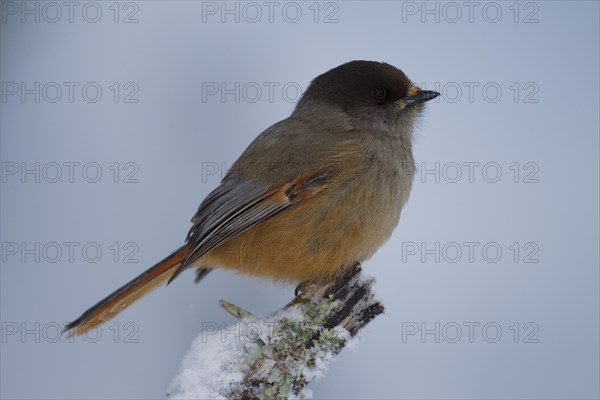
118	118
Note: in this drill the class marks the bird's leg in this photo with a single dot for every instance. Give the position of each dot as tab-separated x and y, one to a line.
302	286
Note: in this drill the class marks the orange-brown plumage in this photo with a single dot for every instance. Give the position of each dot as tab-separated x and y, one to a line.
127	294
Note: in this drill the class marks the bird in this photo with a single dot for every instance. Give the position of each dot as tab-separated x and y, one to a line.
310	196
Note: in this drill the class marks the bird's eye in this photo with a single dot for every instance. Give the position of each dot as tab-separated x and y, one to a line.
379	93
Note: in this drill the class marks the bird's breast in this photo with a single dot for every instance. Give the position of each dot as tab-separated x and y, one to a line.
319	236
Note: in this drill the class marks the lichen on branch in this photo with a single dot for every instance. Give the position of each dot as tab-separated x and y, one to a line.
277	356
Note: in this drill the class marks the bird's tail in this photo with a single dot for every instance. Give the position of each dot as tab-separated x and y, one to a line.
127	294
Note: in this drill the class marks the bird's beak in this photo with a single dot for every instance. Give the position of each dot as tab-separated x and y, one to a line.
420	97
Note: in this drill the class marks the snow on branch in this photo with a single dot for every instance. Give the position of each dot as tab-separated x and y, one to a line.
277	356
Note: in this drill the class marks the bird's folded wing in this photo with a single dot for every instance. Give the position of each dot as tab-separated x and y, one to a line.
237	205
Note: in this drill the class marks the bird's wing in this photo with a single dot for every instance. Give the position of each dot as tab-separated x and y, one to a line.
239	204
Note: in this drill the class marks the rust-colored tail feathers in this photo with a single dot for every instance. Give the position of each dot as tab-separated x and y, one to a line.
127	294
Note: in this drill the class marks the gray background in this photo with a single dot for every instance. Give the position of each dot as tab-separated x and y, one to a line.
173	132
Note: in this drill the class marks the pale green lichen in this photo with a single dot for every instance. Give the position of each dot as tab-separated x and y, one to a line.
292	351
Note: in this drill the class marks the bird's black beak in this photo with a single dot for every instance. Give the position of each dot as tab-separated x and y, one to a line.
421	97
